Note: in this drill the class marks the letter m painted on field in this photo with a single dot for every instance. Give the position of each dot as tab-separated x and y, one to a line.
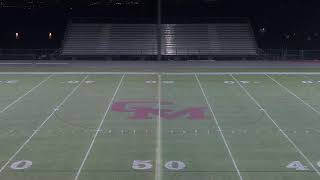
142	110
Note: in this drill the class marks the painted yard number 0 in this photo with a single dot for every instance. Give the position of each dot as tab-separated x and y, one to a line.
175	165
20	165
170	165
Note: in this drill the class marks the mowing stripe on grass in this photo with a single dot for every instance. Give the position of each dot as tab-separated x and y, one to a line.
24	95
293	94
158	173
219	128
276	124
99	128
42	124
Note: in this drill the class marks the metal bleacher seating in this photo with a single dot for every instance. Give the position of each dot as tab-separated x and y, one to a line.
177	39
110	39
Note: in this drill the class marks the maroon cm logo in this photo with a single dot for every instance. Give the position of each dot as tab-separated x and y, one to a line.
142	110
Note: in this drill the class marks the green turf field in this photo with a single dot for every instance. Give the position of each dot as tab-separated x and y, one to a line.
160	126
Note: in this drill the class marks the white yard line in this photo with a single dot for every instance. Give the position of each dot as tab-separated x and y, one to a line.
164	73
24	95
158	168
219	129
98	129
276	124
41	125
293	94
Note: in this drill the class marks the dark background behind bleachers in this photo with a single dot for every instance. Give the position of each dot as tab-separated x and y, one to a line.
288	24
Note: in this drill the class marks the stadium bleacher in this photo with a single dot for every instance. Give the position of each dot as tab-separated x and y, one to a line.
208	39
110	39
141	39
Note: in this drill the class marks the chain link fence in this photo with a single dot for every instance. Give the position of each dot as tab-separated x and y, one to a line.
284	54
174	54
28	54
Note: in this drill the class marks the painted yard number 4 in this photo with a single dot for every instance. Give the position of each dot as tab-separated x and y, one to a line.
297	165
146	165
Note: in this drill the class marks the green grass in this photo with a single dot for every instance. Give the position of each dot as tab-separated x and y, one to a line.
160	68
254	144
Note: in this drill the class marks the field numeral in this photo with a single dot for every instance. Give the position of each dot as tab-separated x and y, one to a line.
77	82
141	165
297	165
9	82
73	82
156	82
20	165
310	82
175	165
147	164
242	82
89	82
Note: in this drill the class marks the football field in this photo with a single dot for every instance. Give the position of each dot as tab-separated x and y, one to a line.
159	126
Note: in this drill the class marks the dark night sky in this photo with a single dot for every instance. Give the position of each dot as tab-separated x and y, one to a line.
277	16
265	9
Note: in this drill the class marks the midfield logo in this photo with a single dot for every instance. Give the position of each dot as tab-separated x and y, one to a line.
143	110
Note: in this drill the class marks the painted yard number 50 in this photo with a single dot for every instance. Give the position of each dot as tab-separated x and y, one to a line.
146	165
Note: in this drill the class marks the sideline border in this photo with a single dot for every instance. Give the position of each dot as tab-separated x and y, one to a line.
164	73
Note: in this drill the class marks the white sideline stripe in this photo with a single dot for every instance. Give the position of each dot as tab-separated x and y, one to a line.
78	73
158	173
24	95
99	128
41	125
52	63
15	63
276	124
164	73
219	129
293	94
243	73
